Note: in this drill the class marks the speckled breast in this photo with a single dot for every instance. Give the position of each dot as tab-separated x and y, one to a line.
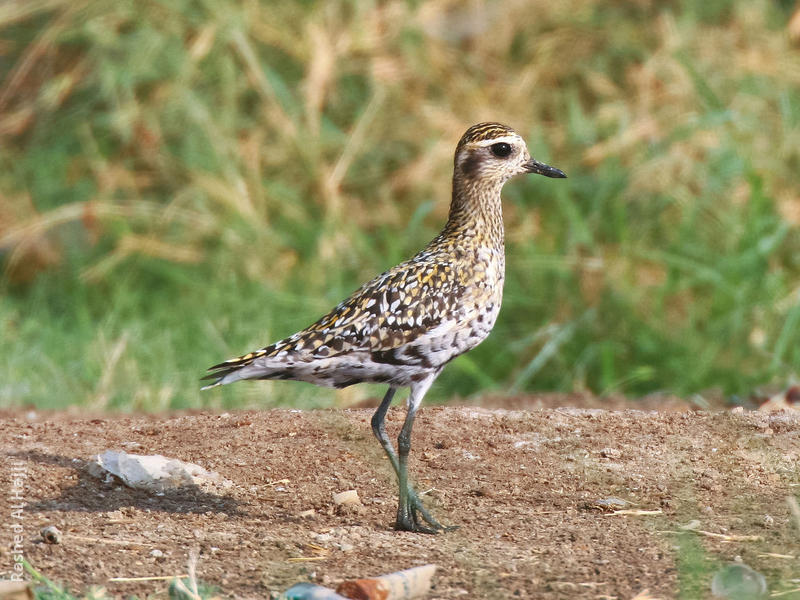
481	303
488	294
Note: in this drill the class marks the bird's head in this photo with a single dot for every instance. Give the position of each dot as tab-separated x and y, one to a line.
493	153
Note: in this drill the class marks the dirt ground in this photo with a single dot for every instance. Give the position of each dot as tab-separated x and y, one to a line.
525	486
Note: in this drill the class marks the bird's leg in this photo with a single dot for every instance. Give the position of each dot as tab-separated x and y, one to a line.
407	493
379	429
406	509
410	504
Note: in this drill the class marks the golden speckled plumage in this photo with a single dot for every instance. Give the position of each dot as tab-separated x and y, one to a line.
405	325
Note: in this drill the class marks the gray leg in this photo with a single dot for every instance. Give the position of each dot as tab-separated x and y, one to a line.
379	429
410	504
406	511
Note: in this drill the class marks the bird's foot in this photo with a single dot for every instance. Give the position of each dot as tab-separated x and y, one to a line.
413	516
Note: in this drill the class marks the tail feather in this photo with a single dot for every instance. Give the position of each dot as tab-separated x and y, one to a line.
244	371
231	370
221	377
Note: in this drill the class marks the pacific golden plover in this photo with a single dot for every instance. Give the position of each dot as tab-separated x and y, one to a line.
405	325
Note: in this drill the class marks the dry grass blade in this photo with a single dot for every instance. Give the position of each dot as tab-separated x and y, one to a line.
720	536
277	482
112	358
321	69
784	593
298	559
794	26
354	142
321	553
248	55
635	512
41	224
179	587
13	11
114	542
183	592
148	578
145	246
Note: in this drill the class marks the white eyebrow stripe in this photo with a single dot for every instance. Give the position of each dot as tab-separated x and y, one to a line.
508	139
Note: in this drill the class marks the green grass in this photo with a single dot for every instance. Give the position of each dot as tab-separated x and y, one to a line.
185	181
179	588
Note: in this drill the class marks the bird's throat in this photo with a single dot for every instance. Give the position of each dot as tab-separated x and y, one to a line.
476	213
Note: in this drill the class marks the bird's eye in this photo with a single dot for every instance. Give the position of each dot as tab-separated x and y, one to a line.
501	149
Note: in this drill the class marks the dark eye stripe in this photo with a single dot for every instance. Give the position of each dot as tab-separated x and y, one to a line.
501	149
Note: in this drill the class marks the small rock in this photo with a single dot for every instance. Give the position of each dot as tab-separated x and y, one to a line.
483	492
51	535
345	547
156	553
610	453
607	504
347	497
154	473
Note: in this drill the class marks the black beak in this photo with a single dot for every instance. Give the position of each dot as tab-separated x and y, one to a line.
534	166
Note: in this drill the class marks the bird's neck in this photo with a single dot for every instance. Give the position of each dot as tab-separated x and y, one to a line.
476	213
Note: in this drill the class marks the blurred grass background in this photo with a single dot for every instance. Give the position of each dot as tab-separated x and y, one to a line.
182	181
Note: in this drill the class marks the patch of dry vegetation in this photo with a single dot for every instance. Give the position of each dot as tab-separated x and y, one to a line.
185	181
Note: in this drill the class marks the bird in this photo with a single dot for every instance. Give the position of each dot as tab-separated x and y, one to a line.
404	326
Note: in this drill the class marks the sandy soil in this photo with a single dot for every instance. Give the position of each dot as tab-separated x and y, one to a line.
525	486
